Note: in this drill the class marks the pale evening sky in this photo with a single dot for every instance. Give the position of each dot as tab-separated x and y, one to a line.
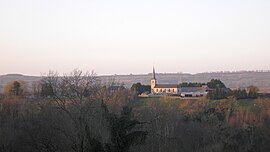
123	37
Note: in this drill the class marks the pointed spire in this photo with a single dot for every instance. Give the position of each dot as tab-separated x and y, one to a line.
154	73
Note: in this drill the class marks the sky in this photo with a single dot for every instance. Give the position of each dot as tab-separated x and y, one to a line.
124	36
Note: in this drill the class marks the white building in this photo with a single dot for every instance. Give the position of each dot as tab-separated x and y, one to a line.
175	88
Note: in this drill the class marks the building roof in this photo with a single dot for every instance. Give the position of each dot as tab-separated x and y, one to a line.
167	86
192	89
264	90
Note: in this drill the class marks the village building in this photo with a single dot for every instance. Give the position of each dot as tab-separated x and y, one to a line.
175	89
163	88
193	91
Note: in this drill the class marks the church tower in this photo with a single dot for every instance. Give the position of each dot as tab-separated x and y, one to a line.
153	81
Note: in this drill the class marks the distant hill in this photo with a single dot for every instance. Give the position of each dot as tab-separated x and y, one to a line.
4	79
11	77
231	79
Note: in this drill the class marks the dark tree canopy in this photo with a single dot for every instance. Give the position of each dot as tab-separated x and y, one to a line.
124	130
46	90
215	83
217	90
252	92
139	88
192	84
14	88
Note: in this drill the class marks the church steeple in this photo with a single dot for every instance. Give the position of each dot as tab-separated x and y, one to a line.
153	81
154	73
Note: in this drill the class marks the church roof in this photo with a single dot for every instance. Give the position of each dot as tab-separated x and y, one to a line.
167	86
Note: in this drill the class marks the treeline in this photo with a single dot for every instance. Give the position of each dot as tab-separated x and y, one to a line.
218	90
192	84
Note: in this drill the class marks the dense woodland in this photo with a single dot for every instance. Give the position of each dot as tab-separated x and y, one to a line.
77	112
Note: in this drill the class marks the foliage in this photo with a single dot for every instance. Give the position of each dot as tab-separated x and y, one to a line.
14	88
191	84
115	95
27	126
240	94
46	90
217	90
74	119
215	84
218	93
82	91
139	88
123	132
252	91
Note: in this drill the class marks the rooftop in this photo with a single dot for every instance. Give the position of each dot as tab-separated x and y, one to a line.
167	86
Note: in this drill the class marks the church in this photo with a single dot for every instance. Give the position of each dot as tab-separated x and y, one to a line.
176	89
163	88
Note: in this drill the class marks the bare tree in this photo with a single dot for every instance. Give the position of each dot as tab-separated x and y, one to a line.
75	94
36	88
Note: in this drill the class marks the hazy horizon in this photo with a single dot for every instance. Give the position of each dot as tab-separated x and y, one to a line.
124	37
126	74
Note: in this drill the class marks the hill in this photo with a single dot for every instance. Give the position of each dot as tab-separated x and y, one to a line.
231	79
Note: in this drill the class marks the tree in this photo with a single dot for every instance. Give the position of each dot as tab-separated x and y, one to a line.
243	93
139	88
191	84
218	93
114	94
46	90
252	91
36	89
74	88
123	132
14	88
217	90
77	96
74	94
215	83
